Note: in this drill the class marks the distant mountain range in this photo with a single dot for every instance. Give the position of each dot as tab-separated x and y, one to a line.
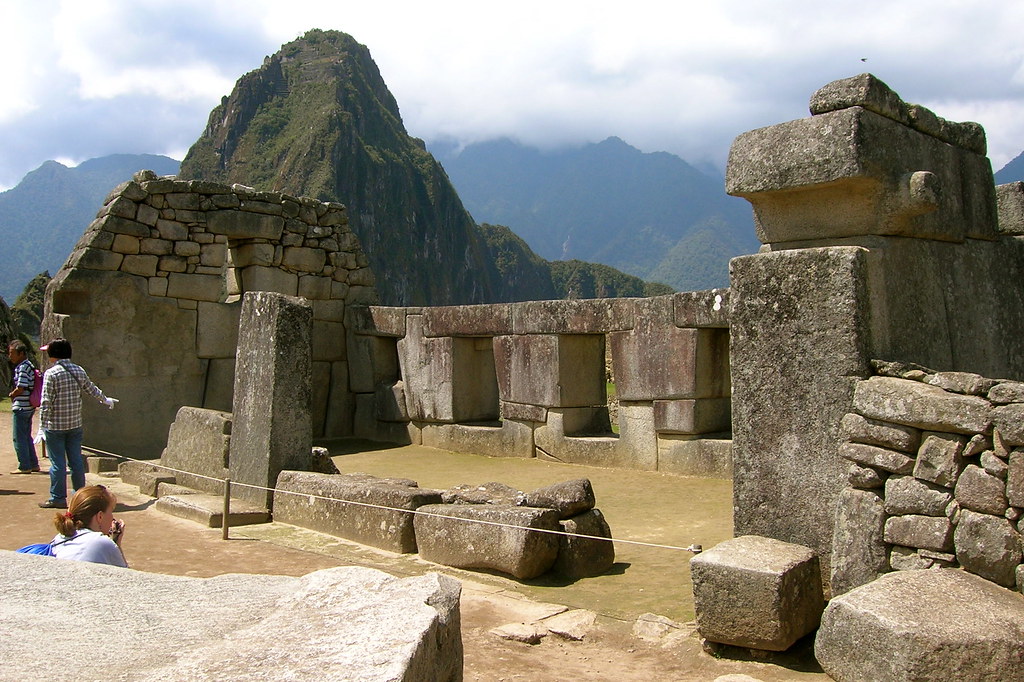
42	217
650	215
1011	172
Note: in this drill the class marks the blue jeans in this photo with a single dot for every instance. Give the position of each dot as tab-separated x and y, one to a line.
65	449
24	448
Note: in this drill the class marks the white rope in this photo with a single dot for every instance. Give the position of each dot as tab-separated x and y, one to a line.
692	548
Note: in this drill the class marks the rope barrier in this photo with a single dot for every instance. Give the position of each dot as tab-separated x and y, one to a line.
693	548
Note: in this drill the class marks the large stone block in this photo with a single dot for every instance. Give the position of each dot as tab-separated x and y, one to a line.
1015	479
217	329
689	456
568	498
910	495
980	491
244	225
913	403
657	360
879	458
318	502
989	546
198	444
579	316
708	308
1010	204
272	377
924	532
511	439
551	370
859	552
259	278
446	534
584	557
196	287
468	320
345	623
871	432
220	384
923	625
1009	419
756	592
940	458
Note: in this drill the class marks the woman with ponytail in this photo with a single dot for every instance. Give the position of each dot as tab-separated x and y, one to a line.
88	531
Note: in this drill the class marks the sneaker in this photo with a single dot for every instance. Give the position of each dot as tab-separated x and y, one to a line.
52	504
26	471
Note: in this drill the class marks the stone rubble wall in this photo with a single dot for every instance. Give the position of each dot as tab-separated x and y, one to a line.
529	379
151	297
936	477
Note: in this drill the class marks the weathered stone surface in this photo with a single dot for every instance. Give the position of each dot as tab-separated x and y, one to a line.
198	442
882	458
573	317
1015	479
317	501
693	416
527	633
756	592
966	383
245	225
1007	391
909	495
341	623
260	278
865	478
487	493
708	308
217	329
1009	419
871	432
144	266
448	536
859	553
922	625
468	320
196	287
913	403
979	491
568	498
573	625
994	466
272	377
1010	201
908	559
924	532
940	458
864	90
551	370
584	557
688	456
989	546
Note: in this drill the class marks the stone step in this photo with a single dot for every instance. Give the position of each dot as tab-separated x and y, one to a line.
209	510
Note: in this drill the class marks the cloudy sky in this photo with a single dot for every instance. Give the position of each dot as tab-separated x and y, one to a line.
85	79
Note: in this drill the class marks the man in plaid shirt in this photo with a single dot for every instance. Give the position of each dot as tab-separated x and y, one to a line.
60	420
23	381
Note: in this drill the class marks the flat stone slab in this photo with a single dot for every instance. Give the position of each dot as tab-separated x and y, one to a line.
209	510
346	623
936	624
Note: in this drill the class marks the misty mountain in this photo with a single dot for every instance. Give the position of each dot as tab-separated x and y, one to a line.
1011	172
43	216
648	214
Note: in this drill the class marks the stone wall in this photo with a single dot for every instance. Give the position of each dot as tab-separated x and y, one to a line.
882	239
936	477
151	296
528	379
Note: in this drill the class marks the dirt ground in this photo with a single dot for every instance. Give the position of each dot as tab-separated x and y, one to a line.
641	506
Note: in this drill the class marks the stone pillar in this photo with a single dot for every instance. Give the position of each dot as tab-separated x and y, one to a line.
272	428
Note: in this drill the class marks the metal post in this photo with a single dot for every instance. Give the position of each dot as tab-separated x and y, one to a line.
226	513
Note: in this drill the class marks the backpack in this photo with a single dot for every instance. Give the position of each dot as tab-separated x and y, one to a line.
35	398
42	548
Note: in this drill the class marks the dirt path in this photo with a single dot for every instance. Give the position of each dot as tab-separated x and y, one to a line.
160	543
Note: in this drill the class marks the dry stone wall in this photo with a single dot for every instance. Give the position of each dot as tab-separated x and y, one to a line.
936	477
151	297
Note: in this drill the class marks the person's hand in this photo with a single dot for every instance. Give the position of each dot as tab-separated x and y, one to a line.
39	436
116	531
110	402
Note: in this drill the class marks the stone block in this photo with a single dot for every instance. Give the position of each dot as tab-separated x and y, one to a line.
468	320
864	90
693	416
584	557
208	510
318	502
871	432
196	287
304	259
993	465
341	623
220	384
213	255
328	341
258	253
881	458
989	546
95	259
756	592
866	478
913	403
380	320
859	551
118	225
689	456
389	402
511	439
1010	205
920	625
966	383
980	491
708	308
315	288
940	458
125	244
244	225
198	443
341	408
580	316
551	370
156	247
171	231
909	495
259	278
329	311
568	498
524	413
186	249
486	493
1009	419
1015	479
449	536
272	377
923	532
147	215
217	329
144	266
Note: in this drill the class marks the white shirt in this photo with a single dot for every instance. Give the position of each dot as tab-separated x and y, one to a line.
88	545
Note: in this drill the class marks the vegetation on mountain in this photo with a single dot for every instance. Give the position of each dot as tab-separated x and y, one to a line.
27	311
577	279
42	217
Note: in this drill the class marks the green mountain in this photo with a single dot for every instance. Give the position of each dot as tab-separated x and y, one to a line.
42	217
318	120
1011	172
650	215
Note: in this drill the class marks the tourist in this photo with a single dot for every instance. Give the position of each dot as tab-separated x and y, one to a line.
88	531
60	420
23	380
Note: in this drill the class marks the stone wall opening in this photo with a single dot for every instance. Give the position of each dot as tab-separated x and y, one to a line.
475	382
